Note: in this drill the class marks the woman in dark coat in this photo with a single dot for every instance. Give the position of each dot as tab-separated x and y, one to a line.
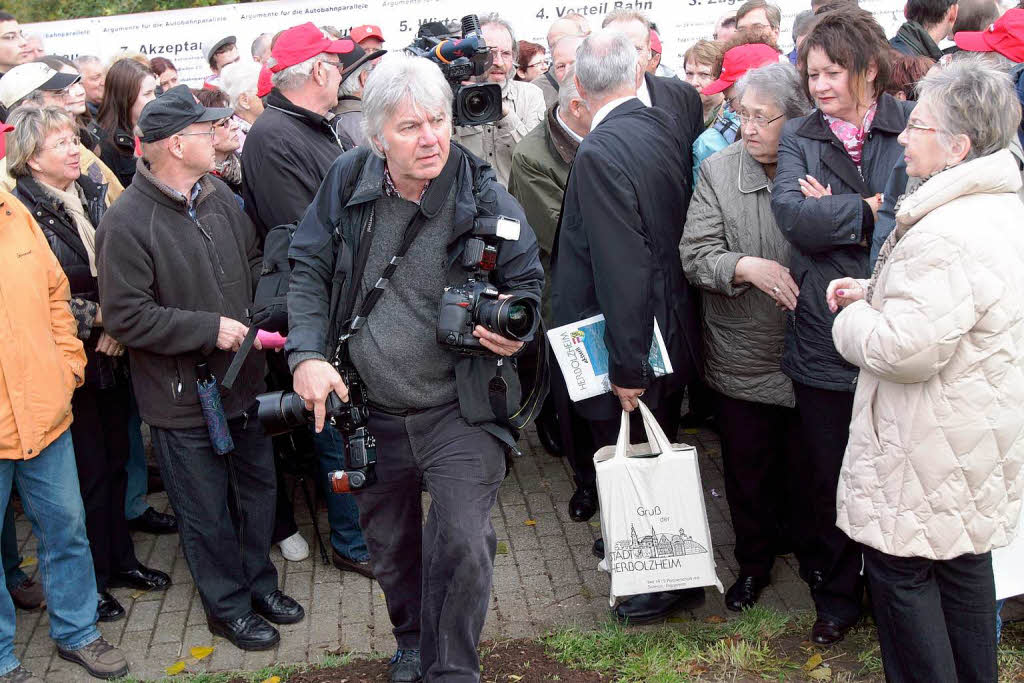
833	165
42	156
129	87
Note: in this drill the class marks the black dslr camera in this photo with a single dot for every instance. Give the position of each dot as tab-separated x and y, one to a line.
461	60
476	301
280	412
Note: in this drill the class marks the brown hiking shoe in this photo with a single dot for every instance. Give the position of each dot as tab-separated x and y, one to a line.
20	675
28	595
99	658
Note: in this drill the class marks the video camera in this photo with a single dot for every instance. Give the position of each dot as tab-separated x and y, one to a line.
461	60
476	301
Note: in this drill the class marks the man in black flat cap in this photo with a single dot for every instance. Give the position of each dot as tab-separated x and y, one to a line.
177	264
357	66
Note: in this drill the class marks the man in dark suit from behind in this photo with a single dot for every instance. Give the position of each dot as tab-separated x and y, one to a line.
625	204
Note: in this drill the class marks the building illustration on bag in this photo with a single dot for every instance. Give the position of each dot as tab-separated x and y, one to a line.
657	545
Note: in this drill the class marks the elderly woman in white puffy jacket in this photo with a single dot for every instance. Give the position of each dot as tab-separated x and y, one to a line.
931	480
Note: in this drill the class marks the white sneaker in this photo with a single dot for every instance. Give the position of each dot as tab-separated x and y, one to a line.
294	548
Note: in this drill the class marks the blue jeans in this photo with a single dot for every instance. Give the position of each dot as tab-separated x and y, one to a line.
9	553
138	472
342	513
48	484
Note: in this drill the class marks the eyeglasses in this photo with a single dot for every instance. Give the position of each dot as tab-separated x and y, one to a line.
64	144
917	126
223	123
506	55
205	132
758	121
545	61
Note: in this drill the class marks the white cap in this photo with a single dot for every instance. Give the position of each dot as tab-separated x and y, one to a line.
24	79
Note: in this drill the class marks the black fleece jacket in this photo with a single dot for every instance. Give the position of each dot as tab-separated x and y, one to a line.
166	279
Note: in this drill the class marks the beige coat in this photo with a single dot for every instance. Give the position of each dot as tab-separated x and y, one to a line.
933	465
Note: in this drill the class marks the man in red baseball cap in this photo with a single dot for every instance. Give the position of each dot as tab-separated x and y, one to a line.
738	61
1006	37
368	37
288	151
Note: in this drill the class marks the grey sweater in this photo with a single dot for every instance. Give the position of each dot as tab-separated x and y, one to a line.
396	352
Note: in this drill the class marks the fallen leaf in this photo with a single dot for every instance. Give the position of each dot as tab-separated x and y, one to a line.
274	679
531	522
813	662
28	561
201	652
822	674
715	619
137	594
689	431
175	669
502	548
514	678
596	525
381	596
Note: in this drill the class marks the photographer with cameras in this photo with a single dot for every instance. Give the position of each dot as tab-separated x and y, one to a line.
389	239
522	103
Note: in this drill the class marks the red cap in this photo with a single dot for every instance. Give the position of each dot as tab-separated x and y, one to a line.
1006	37
4	129
361	33
655	42
301	42
739	61
264	84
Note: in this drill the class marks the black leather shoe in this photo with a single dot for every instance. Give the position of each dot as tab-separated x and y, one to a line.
108	608
404	667
248	632
278	608
548	435
347	564
141	578
649	608
745	591
828	631
153	522
816	578
598	549
583	504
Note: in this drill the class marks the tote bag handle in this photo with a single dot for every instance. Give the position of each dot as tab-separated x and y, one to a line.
656	437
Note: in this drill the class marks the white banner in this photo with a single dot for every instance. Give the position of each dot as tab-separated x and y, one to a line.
181	35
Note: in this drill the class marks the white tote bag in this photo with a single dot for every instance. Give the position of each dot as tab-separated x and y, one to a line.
655	526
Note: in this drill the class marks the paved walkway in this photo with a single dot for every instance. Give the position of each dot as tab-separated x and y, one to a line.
545	577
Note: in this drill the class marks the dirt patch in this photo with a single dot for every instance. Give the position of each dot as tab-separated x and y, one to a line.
506	661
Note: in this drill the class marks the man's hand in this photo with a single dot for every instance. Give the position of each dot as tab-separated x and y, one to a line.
109	346
770	277
231	334
843	292
492	341
629	398
314	380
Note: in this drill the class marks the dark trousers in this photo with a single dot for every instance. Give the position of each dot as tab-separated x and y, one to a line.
228	555
934	617
577	440
606	432
760	444
436	578
100	437
829	561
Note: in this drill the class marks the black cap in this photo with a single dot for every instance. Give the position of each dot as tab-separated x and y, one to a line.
174	111
356	58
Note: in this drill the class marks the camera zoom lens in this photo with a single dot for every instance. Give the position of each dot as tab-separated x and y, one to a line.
515	317
476	104
281	412
520	320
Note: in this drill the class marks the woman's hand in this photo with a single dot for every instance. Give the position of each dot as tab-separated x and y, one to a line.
109	346
843	292
812	189
770	277
875	203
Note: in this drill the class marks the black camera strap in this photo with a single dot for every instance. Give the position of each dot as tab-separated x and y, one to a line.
431	203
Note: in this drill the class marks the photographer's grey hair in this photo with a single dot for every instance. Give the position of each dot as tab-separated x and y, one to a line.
296	75
568	91
398	78
495	18
606	62
781	84
973	98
